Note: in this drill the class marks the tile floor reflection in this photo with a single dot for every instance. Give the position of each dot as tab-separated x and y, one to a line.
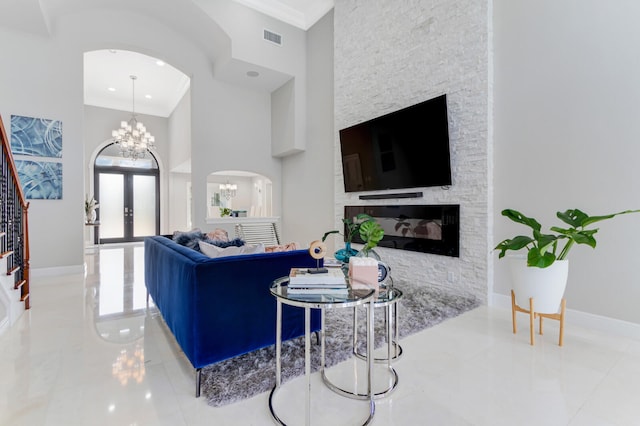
89	352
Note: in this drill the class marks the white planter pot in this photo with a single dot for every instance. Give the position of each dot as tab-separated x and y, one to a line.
545	285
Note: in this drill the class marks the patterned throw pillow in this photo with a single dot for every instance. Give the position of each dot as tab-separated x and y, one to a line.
281	247
214	251
218	235
236	242
189	239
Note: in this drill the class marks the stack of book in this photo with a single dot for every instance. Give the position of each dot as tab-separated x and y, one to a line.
333	282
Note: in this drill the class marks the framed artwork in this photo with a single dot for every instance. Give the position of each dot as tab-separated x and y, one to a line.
36	145
40	180
36	137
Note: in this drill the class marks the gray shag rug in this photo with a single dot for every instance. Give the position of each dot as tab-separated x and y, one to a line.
250	374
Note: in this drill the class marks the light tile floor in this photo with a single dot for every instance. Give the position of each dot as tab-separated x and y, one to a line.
88	353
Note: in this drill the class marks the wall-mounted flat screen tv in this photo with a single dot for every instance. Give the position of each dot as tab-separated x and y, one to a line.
408	148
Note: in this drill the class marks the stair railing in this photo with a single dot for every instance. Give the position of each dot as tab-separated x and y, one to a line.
14	223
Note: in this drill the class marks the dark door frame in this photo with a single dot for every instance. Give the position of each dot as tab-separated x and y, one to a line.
128	173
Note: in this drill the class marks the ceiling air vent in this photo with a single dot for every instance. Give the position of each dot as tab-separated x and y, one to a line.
272	37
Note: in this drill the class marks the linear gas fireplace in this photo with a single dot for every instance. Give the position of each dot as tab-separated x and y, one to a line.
423	228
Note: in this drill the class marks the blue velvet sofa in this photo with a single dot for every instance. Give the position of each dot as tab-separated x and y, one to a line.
220	308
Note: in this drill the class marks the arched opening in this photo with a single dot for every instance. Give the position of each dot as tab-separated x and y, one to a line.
159	97
242	193
129	196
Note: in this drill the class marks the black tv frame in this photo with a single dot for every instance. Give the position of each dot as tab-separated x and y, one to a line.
407	148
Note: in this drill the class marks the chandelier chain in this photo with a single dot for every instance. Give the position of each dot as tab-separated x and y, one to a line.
132	137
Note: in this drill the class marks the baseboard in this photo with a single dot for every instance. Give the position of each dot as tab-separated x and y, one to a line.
57	271
582	319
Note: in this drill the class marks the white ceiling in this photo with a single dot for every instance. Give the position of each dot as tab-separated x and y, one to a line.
108	83
166	85
299	13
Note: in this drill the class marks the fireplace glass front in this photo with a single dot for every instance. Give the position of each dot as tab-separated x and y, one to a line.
422	228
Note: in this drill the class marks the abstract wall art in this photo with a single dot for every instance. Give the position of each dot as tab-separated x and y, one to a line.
37	137
40	180
36	145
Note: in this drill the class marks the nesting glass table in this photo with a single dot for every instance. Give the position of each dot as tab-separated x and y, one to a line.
387	298
353	299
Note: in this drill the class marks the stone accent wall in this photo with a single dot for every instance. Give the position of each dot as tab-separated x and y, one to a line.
392	54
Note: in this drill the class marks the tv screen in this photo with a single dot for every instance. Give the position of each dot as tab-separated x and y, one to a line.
408	148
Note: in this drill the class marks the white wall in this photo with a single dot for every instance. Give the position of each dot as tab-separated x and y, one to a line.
307	184
390	55
180	133
178	203
236	136
179	160
55	226
567	136
285	62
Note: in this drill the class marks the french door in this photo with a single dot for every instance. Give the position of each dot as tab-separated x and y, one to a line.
129	203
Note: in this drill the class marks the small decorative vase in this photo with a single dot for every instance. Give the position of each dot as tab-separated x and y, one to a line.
90	216
344	254
369	253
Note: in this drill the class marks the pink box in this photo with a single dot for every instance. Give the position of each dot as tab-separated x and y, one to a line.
363	273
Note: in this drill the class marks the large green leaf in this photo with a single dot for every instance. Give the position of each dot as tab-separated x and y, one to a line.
371	233
573	217
579	219
544	242
516	243
518	217
538	259
580	236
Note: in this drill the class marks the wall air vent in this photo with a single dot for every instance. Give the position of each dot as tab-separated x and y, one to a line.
272	37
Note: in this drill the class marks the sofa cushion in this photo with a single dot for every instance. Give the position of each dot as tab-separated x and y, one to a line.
218	234
236	242
189	239
214	251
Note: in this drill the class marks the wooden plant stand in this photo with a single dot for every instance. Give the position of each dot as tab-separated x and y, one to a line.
533	314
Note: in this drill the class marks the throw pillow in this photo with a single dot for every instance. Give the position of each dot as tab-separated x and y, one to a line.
253	248
214	251
281	247
236	242
218	234
189	239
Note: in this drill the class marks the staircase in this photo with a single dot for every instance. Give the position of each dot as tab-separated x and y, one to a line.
14	241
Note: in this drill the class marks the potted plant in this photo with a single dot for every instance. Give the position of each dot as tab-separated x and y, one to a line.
371	233
90	206
352	227
544	274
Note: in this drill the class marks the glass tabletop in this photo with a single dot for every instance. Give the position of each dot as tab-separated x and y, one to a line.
387	296
343	300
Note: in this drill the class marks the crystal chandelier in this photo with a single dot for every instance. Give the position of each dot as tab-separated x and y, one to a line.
132	136
228	190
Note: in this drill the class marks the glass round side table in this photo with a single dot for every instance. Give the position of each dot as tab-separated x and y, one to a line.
352	299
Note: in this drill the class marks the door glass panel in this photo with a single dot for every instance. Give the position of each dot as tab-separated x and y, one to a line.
144	205
111	205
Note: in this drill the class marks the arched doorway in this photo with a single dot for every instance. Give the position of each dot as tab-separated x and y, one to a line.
129	194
